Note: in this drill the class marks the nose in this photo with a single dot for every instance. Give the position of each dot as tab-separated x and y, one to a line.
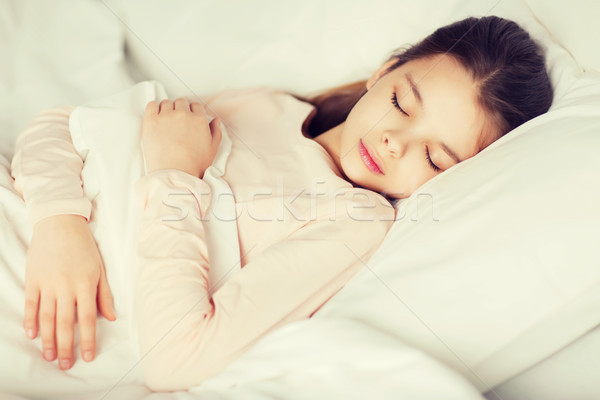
394	143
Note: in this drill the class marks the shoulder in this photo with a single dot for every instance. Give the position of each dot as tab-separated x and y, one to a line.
244	94
366	203
254	95
354	219
256	103
239	92
360	210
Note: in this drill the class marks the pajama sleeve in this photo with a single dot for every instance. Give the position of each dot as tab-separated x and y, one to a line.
46	168
187	337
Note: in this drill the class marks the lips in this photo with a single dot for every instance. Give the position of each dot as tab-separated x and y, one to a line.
369	158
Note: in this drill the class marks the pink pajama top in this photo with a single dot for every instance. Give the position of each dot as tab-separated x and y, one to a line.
304	232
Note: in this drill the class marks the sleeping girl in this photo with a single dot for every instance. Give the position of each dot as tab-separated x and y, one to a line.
426	109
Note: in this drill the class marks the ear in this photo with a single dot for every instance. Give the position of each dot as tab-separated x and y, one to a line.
379	73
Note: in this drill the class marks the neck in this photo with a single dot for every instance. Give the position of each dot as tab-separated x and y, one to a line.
331	141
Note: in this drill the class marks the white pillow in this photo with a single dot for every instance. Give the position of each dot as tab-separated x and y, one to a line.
572	373
53	53
306	46
574	25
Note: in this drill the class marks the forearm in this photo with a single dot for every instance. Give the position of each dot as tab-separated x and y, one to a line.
171	298
47	168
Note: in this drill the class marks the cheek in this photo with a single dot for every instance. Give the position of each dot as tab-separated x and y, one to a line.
410	175
350	160
414	182
366	115
417	180
399	184
356	127
349	157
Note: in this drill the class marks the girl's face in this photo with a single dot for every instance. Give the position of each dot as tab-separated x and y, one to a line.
436	123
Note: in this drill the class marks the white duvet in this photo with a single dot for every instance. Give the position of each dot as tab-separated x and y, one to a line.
324	358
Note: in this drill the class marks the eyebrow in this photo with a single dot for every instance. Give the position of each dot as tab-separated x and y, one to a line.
414	88
450	152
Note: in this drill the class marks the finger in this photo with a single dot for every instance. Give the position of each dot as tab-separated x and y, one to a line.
165	106
32	303
47	324
217	134
181	104
65	321
86	316
106	303
197	108
151	108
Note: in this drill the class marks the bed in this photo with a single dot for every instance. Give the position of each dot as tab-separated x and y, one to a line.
486	287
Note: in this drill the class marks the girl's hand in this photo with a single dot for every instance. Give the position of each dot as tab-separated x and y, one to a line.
65	272
177	135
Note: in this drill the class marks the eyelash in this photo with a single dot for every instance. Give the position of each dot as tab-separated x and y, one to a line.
427	156
395	103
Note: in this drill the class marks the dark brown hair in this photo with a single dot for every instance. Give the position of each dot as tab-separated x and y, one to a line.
501	57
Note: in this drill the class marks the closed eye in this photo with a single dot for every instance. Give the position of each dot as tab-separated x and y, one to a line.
394	100
431	164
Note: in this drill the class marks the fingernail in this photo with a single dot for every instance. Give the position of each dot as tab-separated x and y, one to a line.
88	355
49	354
30	333
64	363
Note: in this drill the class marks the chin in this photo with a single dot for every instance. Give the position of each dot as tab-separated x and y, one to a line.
357	173
366	182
